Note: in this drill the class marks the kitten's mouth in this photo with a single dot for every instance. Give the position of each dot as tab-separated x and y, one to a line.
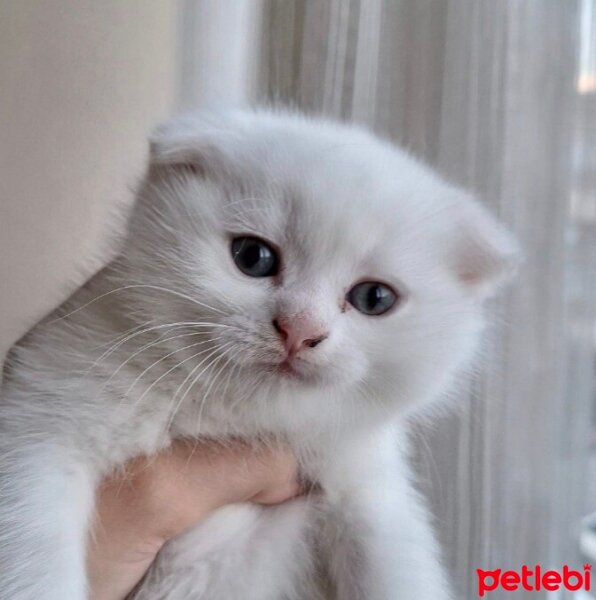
289	369
286	368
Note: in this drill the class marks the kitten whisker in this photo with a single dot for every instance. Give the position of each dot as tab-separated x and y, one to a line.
231	356
256	383
189	375
196	379
237	367
147	346
180	387
123	334
135	286
177	365
147	330
214	379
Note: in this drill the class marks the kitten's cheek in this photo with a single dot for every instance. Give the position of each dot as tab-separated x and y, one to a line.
347	368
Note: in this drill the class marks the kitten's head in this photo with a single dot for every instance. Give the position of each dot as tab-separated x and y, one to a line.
323	262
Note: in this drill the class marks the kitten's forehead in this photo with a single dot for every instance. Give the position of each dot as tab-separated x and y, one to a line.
344	197
324	221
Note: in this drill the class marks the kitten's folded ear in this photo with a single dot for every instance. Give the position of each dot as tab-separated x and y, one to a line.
190	143
481	253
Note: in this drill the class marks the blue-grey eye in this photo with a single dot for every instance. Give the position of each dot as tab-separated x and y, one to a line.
254	257
372	298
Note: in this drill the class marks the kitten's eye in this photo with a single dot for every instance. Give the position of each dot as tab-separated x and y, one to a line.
372	298
254	257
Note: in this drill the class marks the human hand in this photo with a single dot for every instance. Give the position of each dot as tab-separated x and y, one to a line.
157	498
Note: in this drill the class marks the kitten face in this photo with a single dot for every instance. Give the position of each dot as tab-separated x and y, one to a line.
290	235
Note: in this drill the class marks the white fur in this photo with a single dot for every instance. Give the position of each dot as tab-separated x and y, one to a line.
79	400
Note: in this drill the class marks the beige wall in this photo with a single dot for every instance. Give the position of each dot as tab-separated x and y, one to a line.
81	82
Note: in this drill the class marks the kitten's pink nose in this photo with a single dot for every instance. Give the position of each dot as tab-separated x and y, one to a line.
298	332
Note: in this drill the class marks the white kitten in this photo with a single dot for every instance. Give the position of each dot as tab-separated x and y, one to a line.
282	277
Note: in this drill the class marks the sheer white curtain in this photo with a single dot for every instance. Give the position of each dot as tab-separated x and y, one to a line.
500	97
